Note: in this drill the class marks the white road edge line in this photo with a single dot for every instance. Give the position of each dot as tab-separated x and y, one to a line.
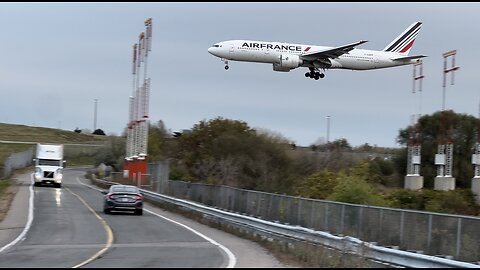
29	220
232	260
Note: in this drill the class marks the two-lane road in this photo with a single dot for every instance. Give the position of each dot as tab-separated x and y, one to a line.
69	229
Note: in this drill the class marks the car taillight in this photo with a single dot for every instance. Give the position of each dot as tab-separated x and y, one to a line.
138	197
111	196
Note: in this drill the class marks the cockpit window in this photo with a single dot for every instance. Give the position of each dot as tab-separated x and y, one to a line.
216	45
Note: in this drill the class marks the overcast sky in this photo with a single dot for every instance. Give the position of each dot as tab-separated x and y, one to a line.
56	58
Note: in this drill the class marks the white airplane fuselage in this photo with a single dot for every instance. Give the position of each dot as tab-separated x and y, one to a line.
272	52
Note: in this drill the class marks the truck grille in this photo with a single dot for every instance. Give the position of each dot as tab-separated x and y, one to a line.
47	174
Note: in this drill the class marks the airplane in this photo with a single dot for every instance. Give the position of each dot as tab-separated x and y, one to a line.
287	56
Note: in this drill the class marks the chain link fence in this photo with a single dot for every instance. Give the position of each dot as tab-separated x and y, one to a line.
444	235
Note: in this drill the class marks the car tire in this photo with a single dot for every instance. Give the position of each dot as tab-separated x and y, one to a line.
106	211
139	212
58	185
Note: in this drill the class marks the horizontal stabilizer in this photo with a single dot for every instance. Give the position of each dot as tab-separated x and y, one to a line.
408	57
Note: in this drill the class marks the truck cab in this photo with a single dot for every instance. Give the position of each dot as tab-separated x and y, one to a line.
49	165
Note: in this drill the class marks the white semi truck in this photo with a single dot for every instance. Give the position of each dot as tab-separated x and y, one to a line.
49	164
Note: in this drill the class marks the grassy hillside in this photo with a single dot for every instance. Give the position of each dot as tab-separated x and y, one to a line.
33	135
10	132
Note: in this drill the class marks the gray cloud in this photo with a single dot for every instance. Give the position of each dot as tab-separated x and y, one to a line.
57	58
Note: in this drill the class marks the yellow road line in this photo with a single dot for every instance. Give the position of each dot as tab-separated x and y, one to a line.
105	226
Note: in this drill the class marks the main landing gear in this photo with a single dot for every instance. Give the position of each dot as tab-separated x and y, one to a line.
313	74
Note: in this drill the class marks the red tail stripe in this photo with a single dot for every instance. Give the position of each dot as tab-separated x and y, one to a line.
407	47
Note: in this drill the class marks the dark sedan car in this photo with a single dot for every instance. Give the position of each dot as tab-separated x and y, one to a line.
123	198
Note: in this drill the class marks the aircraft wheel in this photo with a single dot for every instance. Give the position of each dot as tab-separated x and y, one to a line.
226	67
307	74
322	75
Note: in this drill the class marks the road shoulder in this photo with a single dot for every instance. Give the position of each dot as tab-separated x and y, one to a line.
17	214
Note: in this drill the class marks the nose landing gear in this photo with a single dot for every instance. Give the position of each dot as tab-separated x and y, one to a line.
226	63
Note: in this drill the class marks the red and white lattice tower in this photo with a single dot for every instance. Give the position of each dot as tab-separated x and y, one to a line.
137	133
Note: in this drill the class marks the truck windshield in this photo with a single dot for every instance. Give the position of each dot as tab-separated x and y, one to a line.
49	162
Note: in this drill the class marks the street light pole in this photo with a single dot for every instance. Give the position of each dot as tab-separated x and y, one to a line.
95	116
328	128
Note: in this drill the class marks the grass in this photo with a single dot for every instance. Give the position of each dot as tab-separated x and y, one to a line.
5	197
11	132
33	135
81	161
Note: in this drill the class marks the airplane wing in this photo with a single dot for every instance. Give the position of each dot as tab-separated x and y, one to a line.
408	57
333	52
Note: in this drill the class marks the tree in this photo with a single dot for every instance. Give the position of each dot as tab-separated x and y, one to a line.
340	144
318	185
461	129
99	132
157	141
77	130
112	154
353	189
225	151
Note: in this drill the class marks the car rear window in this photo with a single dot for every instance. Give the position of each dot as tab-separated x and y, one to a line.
125	189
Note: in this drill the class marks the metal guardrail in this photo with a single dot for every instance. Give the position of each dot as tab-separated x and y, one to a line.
345	244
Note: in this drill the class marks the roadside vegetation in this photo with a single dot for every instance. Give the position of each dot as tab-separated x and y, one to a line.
5	197
22	134
229	152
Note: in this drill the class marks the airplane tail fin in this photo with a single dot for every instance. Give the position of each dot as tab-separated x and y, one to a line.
404	42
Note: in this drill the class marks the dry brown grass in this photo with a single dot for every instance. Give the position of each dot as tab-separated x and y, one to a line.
7	193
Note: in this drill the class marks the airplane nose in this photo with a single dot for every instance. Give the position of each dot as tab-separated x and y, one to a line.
210	50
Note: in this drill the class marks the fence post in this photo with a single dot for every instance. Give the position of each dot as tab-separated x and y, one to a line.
312	215
326	217
360	221
402	221
429	237
299	212
459	233
380	222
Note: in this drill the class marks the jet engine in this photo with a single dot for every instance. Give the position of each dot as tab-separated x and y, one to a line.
287	62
